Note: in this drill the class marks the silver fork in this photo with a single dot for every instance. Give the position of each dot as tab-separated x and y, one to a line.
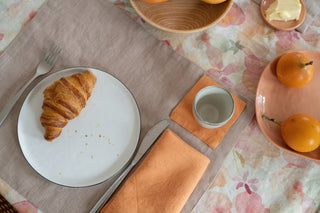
45	66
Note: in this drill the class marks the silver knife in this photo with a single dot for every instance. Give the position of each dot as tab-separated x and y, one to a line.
146	143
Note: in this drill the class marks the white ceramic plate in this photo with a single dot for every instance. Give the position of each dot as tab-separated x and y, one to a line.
93	146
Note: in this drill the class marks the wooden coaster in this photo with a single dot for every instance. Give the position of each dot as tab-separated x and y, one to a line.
5	206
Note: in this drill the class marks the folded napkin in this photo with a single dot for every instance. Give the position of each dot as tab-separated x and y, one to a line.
183	115
313	10
164	180
5	206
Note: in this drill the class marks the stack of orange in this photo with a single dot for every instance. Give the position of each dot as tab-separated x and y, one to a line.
295	69
300	132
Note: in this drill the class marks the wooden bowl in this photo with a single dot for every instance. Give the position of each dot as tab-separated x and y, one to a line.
181	16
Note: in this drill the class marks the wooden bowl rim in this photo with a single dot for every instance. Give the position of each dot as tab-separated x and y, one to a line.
229	5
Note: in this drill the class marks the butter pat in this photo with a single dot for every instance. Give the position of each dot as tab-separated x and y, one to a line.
284	10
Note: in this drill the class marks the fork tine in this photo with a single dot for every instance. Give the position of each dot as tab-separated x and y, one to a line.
52	54
55	58
49	52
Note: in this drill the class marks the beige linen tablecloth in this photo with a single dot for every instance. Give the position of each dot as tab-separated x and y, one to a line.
97	34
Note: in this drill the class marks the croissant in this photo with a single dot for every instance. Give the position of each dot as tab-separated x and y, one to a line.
64	100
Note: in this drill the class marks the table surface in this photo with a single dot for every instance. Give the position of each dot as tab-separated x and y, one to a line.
256	175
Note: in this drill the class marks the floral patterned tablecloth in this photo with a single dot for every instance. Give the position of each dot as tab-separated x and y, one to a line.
256	176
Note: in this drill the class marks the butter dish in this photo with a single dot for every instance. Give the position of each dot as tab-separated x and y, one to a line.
282	15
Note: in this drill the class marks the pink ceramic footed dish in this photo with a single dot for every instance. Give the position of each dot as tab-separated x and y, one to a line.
280	101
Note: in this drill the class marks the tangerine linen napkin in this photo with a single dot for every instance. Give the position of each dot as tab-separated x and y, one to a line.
183	115
164	180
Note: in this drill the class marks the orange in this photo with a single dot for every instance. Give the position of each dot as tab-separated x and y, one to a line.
301	132
154	1
214	1
294	69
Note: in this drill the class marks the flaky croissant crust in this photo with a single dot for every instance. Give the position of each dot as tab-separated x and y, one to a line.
64	100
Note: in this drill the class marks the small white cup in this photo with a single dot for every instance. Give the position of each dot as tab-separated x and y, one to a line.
213	106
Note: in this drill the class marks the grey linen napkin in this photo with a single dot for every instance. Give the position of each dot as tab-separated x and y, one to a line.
97	34
313	10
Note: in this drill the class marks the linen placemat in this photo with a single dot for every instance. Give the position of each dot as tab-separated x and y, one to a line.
313	10
163	181
98	34
183	115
